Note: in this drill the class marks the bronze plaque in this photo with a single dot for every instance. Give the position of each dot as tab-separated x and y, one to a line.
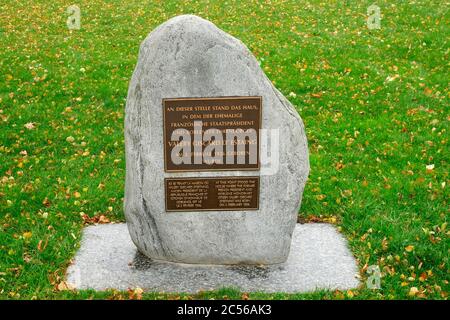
206	144
202	194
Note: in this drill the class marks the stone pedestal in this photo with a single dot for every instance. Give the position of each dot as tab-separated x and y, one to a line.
319	259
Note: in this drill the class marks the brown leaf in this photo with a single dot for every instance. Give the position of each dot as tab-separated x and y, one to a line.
30	125
95	219
423	276
41	247
384	244
339	166
46	202
135	294
103	219
63	286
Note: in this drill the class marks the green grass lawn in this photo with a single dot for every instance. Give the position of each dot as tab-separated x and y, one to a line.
375	105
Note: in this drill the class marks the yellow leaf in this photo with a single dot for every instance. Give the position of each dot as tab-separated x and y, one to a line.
138	292
27	235
409	248
413	291
331	219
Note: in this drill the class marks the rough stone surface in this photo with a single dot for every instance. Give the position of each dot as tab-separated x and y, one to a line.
319	259
190	57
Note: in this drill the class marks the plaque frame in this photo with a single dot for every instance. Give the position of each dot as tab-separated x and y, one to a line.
257	168
257	190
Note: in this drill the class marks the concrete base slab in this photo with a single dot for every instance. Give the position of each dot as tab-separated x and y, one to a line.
319	259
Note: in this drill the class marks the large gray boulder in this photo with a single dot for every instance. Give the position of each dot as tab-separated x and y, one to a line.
190	57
